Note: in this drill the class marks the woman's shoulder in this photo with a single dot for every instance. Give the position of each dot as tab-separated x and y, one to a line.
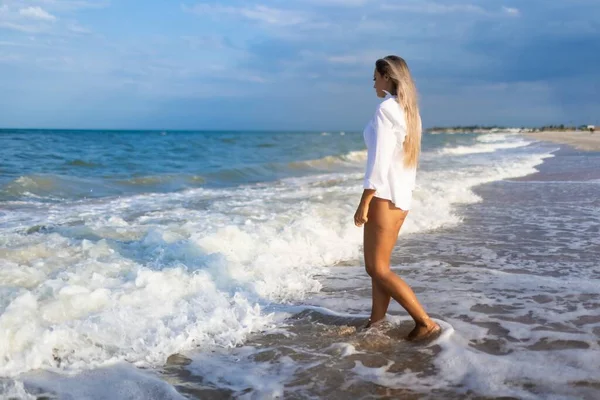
391	109
389	103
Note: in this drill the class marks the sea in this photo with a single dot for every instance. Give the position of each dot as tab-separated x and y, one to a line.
226	265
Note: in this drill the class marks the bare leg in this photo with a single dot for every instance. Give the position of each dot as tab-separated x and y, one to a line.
381	302
380	236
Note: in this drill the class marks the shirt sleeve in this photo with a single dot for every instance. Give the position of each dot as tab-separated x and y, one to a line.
380	151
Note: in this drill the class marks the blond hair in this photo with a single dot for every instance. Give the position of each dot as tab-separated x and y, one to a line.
406	92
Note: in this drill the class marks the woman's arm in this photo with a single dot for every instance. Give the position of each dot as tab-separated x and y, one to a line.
382	145
360	217
379	159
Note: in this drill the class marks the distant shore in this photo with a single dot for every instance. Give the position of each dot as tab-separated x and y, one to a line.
581	140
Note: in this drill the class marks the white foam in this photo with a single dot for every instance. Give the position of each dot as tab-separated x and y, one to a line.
139	278
489	374
11	389
116	382
439	191
381	376
355	156
342	349
493	137
465	368
182	279
265	379
350	159
471	290
479	148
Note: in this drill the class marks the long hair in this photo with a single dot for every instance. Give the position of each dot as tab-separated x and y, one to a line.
406	92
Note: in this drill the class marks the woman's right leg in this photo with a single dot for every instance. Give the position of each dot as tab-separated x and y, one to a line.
380	235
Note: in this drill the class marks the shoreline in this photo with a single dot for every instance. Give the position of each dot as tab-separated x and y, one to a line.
581	140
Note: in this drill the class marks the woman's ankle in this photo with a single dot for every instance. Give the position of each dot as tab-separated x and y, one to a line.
424	322
376	320
371	322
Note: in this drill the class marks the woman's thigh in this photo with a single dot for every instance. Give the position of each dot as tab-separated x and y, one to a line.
381	233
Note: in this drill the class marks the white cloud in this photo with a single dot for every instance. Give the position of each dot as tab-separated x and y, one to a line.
362	58
49	17
511	11
76	28
31	19
64	5
258	13
20	27
251	78
424	7
9	58
342	3
272	16
342	59
37	13
204	42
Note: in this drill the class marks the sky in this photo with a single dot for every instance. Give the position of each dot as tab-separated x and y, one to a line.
293	64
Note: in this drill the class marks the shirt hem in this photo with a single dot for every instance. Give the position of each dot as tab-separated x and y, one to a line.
394	203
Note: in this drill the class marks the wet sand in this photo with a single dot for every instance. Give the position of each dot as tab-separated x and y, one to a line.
581	140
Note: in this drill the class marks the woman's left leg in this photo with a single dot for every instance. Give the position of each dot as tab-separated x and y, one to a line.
381	302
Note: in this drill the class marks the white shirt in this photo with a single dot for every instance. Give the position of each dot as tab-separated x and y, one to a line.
385	173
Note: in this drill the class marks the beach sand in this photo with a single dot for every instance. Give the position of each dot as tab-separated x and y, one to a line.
581	140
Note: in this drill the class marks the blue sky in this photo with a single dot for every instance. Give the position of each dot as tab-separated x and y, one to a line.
293	64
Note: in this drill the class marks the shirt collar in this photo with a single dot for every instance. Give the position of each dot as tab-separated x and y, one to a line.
388	95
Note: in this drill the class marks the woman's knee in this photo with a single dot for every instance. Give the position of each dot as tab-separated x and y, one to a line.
369	268
378	272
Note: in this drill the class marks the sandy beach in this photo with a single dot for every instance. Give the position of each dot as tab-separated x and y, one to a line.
579	139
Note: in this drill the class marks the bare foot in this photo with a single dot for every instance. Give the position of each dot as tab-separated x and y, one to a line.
424	331
375	324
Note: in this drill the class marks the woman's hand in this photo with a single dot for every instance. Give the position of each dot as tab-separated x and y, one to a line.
360	216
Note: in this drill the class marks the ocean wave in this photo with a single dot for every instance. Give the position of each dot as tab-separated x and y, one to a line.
52	187
350	158
153	180
272	171
493	137
438	192
82	163
179	277
76	185
60	187
145	276
478	148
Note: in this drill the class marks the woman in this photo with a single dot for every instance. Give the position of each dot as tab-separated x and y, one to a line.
393	139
